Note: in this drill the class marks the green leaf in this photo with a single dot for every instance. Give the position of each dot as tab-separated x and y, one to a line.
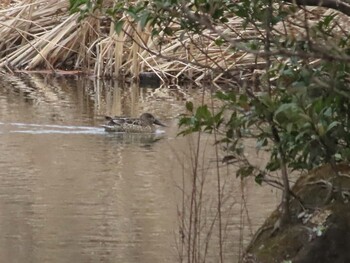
332	125
144	19
261	142
273	165
75	4
118	26
132	13
245	171
259	178
328	112
230	133
217	118
229	96
290	127
219	42
203	112
189	106
155	32
287	108
305	117
185	121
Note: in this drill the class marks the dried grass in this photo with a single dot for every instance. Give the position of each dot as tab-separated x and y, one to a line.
41	34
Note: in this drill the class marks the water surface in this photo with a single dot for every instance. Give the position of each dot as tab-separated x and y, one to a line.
70	192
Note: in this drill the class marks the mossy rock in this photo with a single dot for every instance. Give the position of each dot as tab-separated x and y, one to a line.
319	230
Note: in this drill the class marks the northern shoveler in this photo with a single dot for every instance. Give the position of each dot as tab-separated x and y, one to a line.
145	124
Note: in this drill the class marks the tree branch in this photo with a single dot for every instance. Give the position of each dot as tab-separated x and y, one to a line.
341	6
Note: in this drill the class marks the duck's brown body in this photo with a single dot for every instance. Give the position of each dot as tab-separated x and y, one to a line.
145	124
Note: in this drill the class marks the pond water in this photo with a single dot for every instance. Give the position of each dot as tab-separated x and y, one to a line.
70	192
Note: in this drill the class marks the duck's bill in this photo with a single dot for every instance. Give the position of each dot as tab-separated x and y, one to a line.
159	123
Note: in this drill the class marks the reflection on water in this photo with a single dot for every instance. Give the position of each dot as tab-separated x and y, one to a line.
70	192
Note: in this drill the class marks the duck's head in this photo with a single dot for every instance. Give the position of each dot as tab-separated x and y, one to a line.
149	119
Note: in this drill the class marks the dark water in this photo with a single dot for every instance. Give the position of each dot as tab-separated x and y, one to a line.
70	192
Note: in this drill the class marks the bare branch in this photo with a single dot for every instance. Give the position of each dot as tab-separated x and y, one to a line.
341	6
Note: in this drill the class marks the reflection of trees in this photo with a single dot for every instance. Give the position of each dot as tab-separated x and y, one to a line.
94	97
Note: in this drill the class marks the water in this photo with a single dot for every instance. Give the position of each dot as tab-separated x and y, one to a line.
70	192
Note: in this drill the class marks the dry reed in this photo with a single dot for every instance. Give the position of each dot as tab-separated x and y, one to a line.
42	34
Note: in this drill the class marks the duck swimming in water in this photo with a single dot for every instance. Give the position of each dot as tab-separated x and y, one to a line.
144	124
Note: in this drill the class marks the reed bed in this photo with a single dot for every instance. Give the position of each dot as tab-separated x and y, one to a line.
43	35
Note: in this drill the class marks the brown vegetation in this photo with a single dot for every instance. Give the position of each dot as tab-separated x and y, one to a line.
44	35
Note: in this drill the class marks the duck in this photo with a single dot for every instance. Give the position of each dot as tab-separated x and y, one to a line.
146	123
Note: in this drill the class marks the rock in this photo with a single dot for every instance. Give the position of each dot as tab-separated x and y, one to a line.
320	228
